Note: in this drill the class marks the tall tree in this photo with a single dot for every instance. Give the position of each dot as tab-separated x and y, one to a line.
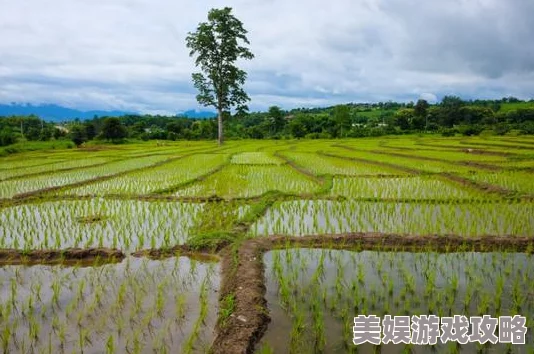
341	114
277	118
217	45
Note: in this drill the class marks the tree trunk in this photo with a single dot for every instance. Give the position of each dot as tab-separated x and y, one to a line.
220	123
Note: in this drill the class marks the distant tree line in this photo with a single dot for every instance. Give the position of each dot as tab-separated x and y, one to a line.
449	117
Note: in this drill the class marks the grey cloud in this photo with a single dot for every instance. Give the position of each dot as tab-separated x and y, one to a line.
131	54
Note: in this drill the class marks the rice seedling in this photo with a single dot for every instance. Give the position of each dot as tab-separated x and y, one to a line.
519	182
255	158
400	188
324	165
51	167
81	323
328	322
155	179
128	225
247	181
315	217
407	162
12	188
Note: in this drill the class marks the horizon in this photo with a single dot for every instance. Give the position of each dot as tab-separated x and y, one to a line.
198	113
135	59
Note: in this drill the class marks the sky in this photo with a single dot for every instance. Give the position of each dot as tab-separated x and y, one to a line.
131	54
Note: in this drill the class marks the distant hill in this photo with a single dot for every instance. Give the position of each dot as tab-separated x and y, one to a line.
56	113
52	112
198	114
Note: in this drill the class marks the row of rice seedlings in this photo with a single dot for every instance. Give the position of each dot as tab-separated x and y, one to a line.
524	139
471	143
502	143
313	295
362	144
454	156
322	165
154	179
526	163
137	306
400	188
22	161
8	189
521	182
123	224
248	181
277	145
255	158
52	167
315	217
238	146
413	163
169	147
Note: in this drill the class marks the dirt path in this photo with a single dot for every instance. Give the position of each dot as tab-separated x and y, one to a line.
66	256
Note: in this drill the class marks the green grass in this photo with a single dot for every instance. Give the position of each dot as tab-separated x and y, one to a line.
24	146
506	107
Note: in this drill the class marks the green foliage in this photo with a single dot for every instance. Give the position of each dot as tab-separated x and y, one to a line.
78	134
113	130
449	132
403	117
216	45
227	308
214	240
7	136
342	119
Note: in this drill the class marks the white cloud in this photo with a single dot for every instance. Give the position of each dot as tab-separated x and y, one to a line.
130	54
429	97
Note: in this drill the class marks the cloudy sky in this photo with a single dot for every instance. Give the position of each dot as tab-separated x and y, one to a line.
131	54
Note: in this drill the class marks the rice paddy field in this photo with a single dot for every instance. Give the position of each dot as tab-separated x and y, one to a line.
263	246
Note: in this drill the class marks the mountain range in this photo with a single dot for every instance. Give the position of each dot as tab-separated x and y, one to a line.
56	113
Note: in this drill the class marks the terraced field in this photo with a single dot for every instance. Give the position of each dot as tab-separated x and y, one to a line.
191	247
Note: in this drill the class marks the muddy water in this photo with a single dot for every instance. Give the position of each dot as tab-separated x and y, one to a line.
381	283
136	306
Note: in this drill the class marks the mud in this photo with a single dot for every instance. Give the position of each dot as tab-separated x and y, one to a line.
69	255
180	250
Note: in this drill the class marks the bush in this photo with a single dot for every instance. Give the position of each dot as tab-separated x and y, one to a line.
527	128
448	132
470	130
77	134
501	128
7	137
172	136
